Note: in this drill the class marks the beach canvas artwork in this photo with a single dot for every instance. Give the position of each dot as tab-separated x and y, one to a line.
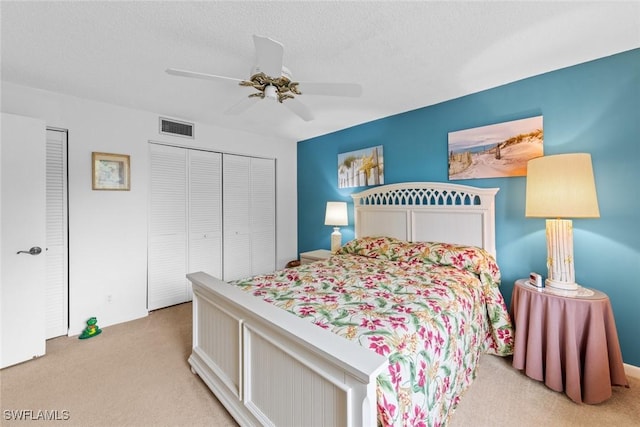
361	168
500	150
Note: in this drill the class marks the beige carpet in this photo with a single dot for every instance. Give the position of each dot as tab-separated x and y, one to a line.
502	396
136	374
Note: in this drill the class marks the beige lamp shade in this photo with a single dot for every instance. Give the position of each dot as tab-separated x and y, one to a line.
561	186
336	214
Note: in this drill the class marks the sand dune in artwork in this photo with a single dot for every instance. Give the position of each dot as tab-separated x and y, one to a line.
512	162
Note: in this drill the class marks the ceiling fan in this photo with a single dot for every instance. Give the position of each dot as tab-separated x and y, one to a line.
273	81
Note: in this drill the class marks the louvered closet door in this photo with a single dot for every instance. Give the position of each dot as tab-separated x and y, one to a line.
56	289
205	212
249	216
263	215
236	207
167	251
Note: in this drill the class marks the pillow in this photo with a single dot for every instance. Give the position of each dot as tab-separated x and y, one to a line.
375	247
470	258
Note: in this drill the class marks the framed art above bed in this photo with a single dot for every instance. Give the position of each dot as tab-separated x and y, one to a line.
388	331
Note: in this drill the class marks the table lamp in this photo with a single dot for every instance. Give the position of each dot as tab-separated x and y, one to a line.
560	187
335	216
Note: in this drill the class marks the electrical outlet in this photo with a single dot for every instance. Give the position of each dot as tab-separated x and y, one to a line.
109	299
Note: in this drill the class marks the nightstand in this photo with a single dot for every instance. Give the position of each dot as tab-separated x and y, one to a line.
312	256
567	340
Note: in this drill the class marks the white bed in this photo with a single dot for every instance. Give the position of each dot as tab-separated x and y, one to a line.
269	367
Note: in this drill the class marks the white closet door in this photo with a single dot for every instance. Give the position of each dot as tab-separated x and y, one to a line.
236	196
56	288
167	252
263	215
205	212
249	216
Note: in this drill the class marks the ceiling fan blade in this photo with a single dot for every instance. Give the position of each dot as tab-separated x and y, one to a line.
185	73
331	89
269	54
242	105
299	109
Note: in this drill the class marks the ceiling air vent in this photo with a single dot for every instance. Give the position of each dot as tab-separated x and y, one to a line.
176	128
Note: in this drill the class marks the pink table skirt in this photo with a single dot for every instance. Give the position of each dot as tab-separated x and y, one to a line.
569	343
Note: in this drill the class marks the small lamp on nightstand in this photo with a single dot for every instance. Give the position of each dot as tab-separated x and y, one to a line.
561	186
336	215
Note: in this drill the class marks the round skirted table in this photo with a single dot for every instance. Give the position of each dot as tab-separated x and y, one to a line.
568	340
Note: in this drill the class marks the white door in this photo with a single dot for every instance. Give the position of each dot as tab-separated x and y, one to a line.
236	195
167	246
57	289
185	223
263	215
23	226
205	213
249	216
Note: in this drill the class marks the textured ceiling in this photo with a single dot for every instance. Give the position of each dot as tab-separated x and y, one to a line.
406	55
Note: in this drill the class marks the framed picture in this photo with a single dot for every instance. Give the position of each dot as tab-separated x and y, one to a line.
361	168
494	151
110	171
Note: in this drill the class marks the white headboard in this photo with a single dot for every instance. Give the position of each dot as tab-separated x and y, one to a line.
428	211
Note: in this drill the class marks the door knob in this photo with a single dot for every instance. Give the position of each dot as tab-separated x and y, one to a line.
33	251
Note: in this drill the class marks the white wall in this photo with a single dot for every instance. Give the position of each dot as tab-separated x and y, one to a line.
108	229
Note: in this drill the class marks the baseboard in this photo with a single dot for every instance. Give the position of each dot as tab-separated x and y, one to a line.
632	371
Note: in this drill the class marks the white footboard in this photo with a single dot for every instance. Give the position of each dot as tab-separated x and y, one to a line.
269	367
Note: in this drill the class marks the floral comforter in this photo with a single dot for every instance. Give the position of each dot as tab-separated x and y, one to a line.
430	308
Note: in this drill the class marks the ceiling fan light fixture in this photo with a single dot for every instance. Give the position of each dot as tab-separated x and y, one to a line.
272	80
271	92
286	73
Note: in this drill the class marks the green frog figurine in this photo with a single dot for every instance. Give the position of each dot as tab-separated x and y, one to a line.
91	330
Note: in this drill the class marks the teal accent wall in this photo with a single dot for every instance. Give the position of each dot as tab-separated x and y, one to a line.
592	107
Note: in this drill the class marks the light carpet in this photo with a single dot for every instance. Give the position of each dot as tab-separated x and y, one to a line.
136	374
